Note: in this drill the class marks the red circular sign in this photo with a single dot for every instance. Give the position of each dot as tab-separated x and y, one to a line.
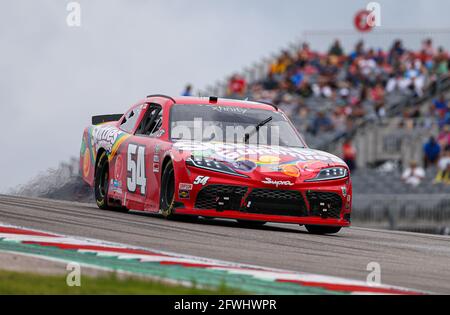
360	21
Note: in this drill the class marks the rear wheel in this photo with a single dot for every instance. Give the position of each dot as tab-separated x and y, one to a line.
101	185
322	230
247	223
101	182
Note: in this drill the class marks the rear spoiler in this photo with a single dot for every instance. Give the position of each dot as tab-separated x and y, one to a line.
97	120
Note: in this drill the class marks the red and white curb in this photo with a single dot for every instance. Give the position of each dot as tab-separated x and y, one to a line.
121	251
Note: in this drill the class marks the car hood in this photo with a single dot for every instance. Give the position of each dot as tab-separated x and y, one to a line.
278	161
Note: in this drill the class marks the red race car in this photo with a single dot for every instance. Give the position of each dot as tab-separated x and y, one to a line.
214	158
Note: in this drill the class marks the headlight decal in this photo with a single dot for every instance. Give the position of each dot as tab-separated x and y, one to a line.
212	165
331	173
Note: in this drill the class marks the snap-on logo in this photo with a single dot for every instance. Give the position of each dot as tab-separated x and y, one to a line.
270	181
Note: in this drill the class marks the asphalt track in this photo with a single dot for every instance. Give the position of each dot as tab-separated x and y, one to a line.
416	261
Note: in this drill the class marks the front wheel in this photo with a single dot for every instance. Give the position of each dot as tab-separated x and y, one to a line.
322	230
167	199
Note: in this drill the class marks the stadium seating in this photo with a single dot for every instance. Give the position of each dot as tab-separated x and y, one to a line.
347	89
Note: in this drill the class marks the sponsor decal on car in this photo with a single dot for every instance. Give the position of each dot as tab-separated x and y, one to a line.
116	186
107	137
184	186
184	194
287	160
290	170
118	167
230	109
270	181
86	163
241	149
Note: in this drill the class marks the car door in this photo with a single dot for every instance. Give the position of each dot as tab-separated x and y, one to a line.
140	159
129	166
147	136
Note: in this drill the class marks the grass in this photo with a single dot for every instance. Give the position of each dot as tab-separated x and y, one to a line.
28	283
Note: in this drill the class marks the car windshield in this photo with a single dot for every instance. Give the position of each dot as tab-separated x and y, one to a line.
239	125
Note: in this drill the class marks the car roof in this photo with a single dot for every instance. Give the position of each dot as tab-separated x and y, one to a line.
215	101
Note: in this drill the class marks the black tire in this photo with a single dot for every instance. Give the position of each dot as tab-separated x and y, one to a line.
167	199
247	223
101	185
322	230
101	182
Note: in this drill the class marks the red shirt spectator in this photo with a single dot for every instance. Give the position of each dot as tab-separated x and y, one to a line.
237	85
349	154
444	138
377	93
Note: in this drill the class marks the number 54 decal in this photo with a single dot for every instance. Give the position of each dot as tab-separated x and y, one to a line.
201	180
136	168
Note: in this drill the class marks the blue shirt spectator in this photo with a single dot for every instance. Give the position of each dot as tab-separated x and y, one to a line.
440	103
321	123
297	78
432	151
187	91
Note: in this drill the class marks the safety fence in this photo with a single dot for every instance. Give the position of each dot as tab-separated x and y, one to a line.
417	213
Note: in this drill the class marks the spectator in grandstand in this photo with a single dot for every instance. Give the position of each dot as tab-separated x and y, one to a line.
305	90
432	151
396	52
428	50
443	176
413	175
321	123
397	83
440	105
377	93
187	90
237	86
339	120
441	63
280	66
380	111
359	50
444	137
297	78
416	82
349	154
322	89
270	83
336	49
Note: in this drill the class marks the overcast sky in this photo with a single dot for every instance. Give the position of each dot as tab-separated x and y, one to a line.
53	78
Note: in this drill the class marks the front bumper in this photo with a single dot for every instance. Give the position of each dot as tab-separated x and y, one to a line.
321	203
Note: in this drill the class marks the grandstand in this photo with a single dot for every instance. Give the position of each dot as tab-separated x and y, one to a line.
383	102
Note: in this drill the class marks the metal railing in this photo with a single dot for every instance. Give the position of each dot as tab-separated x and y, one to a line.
418	213
377	140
